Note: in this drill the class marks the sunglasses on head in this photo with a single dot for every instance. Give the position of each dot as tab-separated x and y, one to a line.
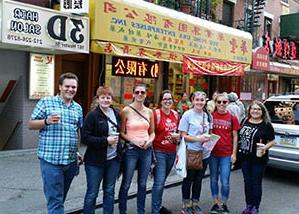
222	101
139	92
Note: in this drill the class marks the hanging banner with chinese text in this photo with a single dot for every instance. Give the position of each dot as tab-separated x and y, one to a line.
133	67
201	66
139	23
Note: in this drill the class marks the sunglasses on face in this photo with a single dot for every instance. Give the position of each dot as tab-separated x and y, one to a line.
222	101
139	92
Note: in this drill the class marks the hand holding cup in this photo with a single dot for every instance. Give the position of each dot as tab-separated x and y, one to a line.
175	137
113	138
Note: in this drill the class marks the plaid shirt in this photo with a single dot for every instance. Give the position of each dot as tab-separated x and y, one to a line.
58	142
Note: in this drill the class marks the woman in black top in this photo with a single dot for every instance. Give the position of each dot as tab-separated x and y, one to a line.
102	157
256	138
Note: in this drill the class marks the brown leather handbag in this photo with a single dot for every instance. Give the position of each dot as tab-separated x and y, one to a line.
194	159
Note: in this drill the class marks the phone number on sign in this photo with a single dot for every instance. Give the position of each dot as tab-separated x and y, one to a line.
24	39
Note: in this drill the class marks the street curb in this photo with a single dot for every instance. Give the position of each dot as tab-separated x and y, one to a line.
21	152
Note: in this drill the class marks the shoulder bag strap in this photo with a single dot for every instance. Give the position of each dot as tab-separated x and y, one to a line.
141	115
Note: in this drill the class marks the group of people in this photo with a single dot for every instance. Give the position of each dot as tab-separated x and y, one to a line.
135	138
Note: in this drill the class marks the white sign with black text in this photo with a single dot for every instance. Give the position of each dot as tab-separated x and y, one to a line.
74	6
41	82
33	26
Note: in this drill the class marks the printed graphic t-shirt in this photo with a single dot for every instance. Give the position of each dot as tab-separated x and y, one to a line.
223	125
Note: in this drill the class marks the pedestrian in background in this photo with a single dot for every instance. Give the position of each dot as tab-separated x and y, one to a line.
240	104
224	153
232	106
256	138
211	103
194	127
166	126
58	119
137	130
184	104
102	157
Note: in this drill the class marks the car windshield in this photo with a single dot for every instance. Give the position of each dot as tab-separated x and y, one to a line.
283	112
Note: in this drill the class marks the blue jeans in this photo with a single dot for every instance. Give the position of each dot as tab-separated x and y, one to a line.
133	158
107	172
253	175
194	179
162	169
220	166
57	180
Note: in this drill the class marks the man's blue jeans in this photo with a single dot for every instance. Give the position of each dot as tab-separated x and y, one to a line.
193	180
162	169
133	158
220	166
107	172
253	175
57	180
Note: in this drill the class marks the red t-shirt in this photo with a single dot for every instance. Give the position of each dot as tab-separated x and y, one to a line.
167	125
223	125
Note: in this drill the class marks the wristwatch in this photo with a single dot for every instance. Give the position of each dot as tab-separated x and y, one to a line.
45	121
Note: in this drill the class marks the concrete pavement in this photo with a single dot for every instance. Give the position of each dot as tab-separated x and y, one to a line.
21	185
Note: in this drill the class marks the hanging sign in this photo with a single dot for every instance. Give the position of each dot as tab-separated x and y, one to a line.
260	59
74	6
134	67
29	25
202	66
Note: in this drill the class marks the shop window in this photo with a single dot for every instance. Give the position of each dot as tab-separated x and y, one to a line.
267	26
228	13
260	87
246	87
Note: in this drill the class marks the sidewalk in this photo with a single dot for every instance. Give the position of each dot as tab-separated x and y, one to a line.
21	185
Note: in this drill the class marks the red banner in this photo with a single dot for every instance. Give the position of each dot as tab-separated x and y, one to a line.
202	66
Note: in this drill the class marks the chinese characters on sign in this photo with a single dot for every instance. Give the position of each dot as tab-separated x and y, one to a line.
134	67
282	48
260	59
118	22
74	6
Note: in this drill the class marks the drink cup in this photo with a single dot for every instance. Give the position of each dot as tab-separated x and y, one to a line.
115	134
56	116
259	149
175	137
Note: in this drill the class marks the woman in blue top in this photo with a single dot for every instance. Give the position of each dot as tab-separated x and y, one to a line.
195	123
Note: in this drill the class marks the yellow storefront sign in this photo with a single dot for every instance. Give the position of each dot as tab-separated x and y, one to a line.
142	24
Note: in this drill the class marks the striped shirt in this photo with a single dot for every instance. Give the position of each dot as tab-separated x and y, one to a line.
58	142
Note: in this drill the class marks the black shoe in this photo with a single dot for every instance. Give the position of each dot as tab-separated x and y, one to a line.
215	209
224	209
164	210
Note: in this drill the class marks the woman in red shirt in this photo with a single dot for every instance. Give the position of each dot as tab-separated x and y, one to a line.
166	125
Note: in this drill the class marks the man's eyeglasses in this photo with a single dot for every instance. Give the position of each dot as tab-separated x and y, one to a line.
222	101
139	92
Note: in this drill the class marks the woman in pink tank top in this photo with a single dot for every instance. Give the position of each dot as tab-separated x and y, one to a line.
137	130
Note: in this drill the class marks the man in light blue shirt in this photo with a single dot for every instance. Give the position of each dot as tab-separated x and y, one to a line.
58	120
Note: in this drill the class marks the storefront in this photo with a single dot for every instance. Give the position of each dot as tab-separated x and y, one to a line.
138	29
31	38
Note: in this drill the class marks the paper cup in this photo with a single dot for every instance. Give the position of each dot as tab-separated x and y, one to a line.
259	149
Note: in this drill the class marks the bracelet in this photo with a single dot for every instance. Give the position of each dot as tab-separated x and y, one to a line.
45	121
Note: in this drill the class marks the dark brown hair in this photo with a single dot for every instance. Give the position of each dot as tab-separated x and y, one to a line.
67	75
162	95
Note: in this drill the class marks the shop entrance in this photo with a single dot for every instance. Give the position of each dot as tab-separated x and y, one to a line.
77	64
224	84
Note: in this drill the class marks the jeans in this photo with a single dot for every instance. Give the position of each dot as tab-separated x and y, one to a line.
107	172
165	161
194	179
253	175
220	166
140	158
57	180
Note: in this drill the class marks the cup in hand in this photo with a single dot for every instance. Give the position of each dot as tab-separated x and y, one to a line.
56	116
116	137
175	137
260	149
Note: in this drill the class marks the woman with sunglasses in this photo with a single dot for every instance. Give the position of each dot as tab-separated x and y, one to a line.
256	138
102	157
194	127
166	125
224	153
137	129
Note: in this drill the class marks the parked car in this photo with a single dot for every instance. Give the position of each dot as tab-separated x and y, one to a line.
284	113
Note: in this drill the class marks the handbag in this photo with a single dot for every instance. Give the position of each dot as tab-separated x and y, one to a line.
194	159
180	160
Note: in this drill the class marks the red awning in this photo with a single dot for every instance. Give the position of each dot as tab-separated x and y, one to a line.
203	66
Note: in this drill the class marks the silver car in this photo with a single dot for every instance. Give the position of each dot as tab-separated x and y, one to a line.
284	113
